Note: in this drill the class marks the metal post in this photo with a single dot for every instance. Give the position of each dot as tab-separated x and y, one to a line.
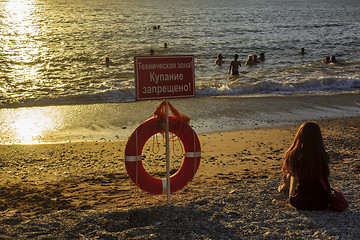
167	154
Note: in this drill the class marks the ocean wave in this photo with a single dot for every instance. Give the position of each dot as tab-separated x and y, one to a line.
270	87
106	95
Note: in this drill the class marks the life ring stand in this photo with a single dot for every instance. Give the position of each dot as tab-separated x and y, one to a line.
134	147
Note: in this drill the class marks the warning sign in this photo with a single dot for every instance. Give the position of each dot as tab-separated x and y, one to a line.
159	77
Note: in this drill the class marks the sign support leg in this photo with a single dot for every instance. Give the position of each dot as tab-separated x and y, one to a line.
168	194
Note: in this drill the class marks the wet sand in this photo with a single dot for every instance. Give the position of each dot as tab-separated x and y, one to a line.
116	121
82	191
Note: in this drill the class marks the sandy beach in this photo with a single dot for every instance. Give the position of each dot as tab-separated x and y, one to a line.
82	191
78	77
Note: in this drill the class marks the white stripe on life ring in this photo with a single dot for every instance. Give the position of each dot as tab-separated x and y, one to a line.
164	185
193	154
132	158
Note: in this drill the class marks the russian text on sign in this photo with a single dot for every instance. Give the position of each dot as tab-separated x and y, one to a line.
167	89
166	77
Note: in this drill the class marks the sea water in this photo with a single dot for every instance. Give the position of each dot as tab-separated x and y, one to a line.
52	52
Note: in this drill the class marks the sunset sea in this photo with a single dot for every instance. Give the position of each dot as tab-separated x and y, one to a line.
55	87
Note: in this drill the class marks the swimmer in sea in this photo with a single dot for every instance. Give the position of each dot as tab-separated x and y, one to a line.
262	57
152	52
165	44
219	61
249	61
108	62
302	51
255	59
234	65
326	60
332	59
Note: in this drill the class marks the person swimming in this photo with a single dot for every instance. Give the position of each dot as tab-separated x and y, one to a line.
262	57
255	59
333	59
249	61
219	61
302	51
234	65
108	62
326	60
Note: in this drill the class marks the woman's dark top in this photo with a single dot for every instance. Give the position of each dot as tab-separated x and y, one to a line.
310	194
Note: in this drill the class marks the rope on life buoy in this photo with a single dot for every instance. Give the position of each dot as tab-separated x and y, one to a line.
136	142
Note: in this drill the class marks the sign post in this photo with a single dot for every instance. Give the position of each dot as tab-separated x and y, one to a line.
168	192
164	77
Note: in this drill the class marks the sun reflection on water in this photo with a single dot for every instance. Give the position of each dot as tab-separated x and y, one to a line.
20	39
19	9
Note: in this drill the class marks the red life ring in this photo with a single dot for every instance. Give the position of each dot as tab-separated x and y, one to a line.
134	165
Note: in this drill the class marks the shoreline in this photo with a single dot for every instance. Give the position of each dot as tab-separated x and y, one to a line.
78	190
116	121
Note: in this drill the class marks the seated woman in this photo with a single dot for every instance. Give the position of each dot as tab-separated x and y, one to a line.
306	170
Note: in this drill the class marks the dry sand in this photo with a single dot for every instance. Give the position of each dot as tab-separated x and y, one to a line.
82	191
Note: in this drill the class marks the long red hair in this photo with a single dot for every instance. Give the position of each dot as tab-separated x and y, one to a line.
307	157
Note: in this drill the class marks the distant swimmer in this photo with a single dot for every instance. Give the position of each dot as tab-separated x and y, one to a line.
234	65
219	61
165	44
255	59
249	61
302	51
333	59
108	62
152	52
262	57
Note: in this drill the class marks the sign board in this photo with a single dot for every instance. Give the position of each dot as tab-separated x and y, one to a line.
162	77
